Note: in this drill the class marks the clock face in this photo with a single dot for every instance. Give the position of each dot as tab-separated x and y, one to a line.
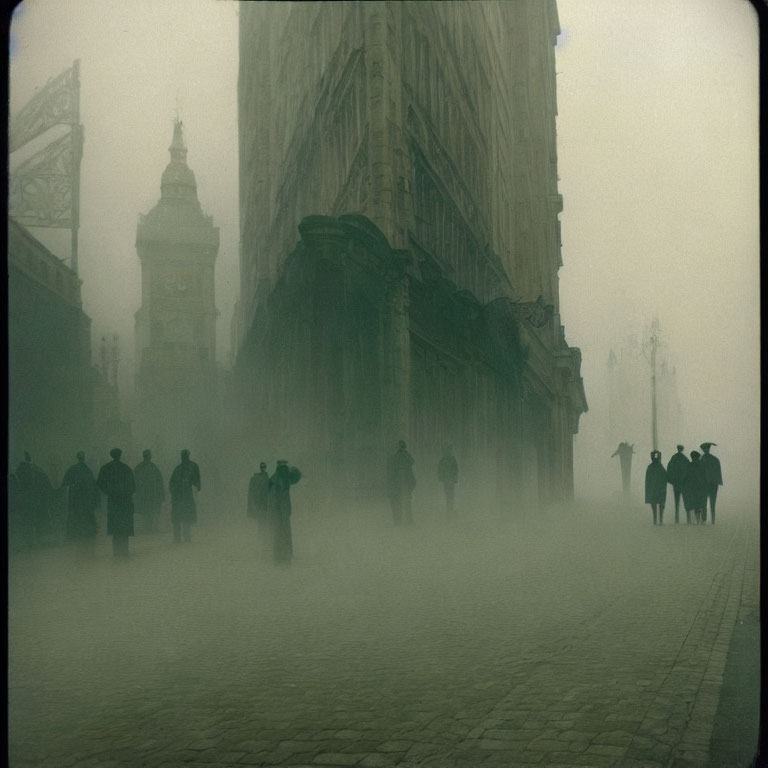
178	285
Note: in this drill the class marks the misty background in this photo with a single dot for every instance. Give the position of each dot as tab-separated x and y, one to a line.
658	166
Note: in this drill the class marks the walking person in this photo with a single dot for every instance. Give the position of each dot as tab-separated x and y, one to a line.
713	478
448	475
695	489
400	483
117	483
185	477
625	452
677	467
83	498
656	486
35	499
258	504
280	511
150	491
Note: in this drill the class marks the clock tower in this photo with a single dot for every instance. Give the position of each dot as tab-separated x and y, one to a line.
177	245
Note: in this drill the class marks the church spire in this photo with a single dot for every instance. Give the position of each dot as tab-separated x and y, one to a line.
177	149
178	181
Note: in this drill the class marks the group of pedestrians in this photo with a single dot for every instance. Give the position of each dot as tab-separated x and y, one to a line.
695	480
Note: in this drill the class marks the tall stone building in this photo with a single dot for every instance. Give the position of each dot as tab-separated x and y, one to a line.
175	328
400	241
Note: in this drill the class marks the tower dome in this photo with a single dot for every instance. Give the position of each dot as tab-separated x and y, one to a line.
178	180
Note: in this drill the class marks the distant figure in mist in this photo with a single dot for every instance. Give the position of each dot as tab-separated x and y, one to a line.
35	499
83	499
714	477
624	452
117	483
185	477
280	511
677	468
150	491
448	475
695	489
400	483
258	503
656	486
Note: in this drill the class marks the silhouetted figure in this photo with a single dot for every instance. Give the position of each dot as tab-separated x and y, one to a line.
185	477
448	475
677	468
258	503
656	486
36	498
400	483
695	489
150	491
713	477
624	452
117	483
83	498
280	510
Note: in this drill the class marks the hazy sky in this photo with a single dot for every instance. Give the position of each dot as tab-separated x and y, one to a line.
658	141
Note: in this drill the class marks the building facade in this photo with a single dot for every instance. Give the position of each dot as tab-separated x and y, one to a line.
400	241
175	331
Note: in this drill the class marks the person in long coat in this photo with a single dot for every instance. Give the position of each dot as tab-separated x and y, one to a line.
36	502
713	477
117	483
695	489
258	503
400	483
185	477
677	468
656	486
625	452
448	475
83	499
280	510
150	491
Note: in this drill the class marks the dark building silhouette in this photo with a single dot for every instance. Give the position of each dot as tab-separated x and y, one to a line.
176	323
400	241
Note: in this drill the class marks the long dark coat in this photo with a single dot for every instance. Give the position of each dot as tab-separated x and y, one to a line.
677	469
655	483
82	502
35	499
280	510
712	471
448	470
400	477
150	489
258	495
695	486
184	478
117	483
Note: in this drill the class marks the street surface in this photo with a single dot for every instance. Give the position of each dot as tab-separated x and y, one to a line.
574	638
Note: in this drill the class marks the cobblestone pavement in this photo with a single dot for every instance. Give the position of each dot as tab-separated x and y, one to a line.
578	638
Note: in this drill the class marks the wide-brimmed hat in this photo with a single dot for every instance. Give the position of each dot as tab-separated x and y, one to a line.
704	446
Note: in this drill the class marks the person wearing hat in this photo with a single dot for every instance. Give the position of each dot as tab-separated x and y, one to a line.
117	483
150	491
676	469
695	489
280	511
258	503
400	483
185	477
713	477
83	498
656	486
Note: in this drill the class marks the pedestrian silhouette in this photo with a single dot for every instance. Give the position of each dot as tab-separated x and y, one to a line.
695	489
400	483
83	498
150	491
677	467
35	499
656	487
280	511
185	477
448	475
713	478
117	483
258	504
624	452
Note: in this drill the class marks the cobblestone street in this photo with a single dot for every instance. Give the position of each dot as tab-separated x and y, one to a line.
578	638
